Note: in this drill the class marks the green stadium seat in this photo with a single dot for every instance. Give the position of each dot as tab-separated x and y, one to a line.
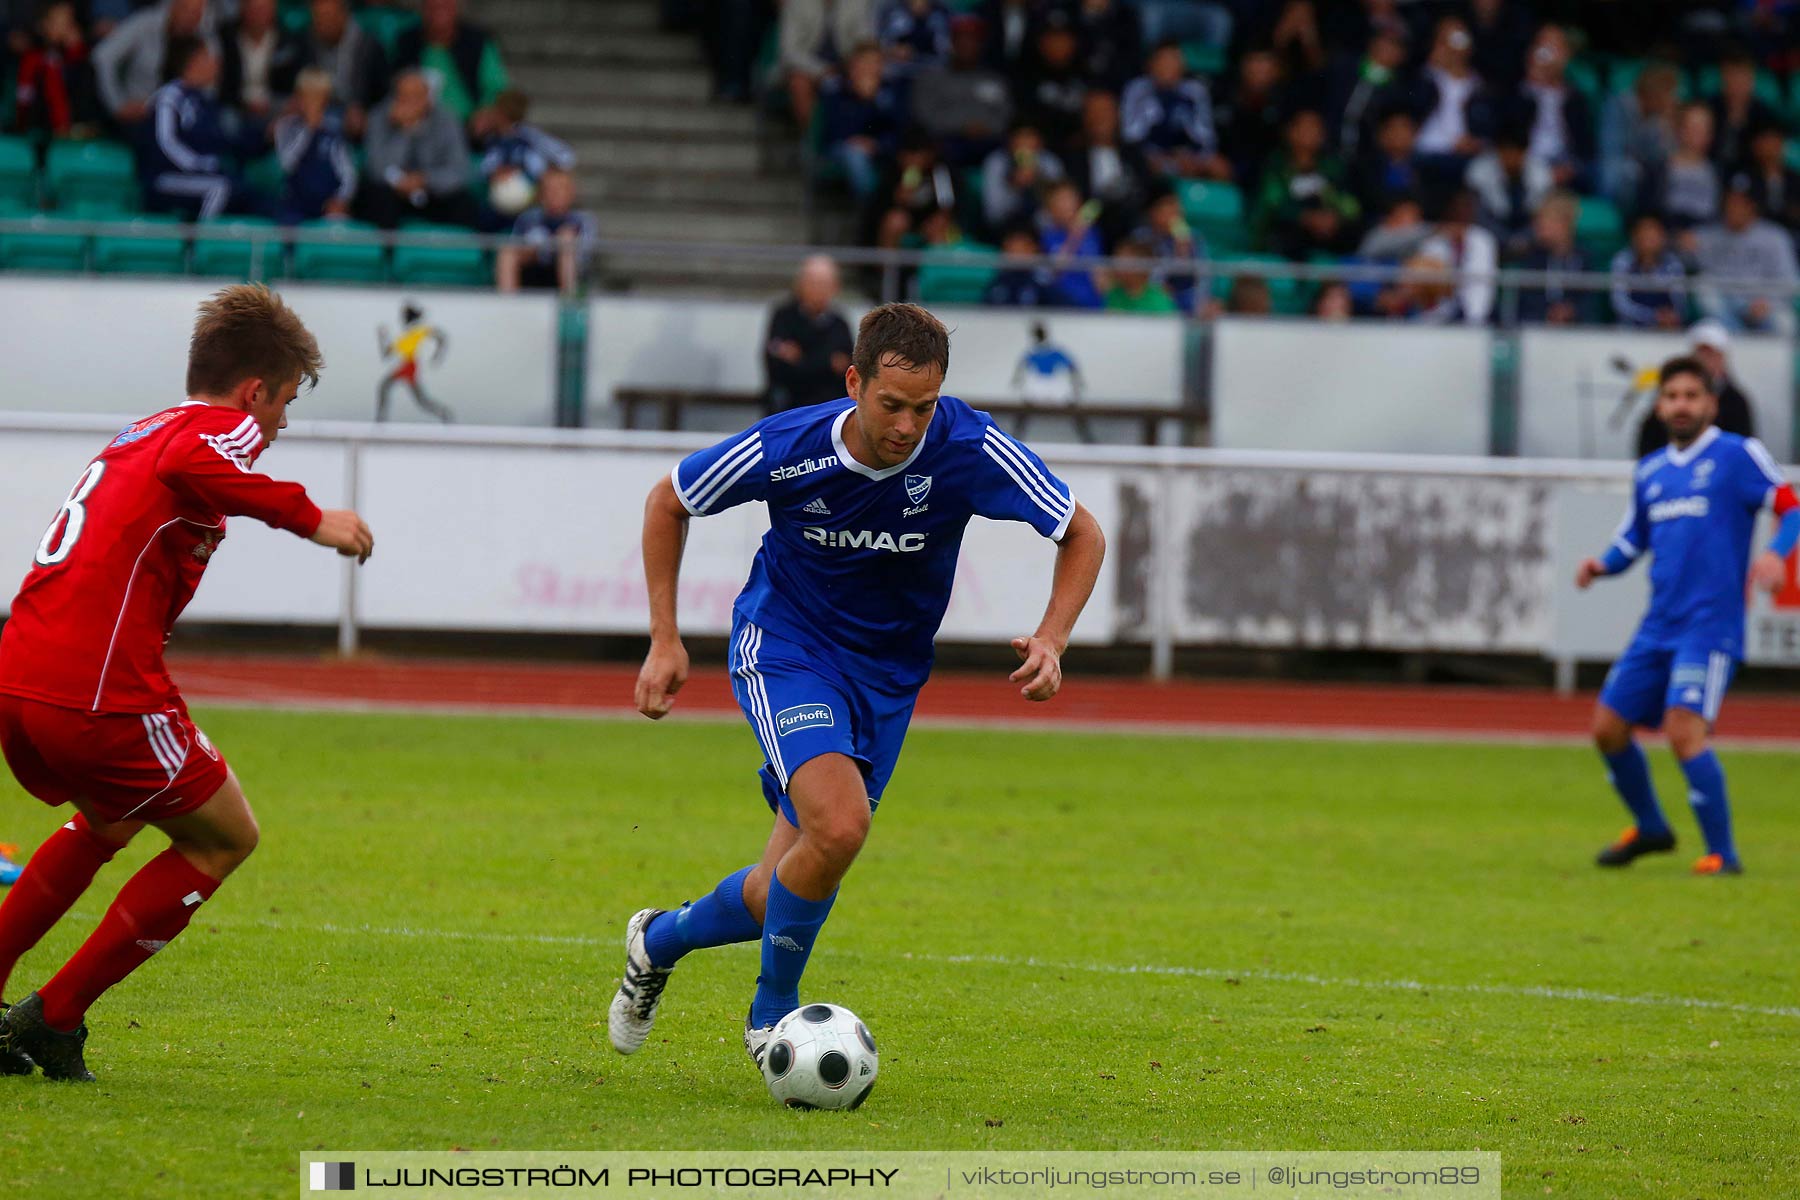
1204	58
47	246
104	205
386	25
18	171
296	18
1768	87
120	254
1287	294
957	282
345	253
256	250
102	172
1216	210
1584	74
464	265
1600	230
264	174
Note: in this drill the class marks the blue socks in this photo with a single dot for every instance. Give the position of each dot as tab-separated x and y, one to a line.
715	920
1707	797
790	926
1630	772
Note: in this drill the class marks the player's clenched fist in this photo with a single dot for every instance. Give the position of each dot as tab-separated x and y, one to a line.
1589	570
346	533
1040	671
665	671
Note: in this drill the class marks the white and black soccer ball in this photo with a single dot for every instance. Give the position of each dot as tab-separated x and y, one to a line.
511	193
821	1056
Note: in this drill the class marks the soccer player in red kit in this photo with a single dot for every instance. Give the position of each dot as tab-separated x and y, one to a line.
88	713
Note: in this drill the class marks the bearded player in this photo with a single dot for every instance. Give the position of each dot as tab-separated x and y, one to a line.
1694	506
832	636
88	714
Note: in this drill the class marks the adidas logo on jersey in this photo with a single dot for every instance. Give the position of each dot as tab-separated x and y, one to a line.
817	508
865	539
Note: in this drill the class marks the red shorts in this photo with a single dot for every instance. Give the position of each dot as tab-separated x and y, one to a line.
145	767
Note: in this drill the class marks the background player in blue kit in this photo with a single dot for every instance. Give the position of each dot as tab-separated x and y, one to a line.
832	636
1694	506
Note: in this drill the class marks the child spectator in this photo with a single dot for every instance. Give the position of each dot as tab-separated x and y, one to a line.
1134	289
318	172
55	89
861	120
1658	305
814	36
1020	283
1014	175
1180	253
913	186
355	61
1168	115
1553	251
519	151
559	240
1066	231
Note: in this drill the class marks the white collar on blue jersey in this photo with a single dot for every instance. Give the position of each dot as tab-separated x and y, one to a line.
1682	458
849	461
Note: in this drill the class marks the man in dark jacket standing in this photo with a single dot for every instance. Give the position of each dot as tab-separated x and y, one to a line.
809	342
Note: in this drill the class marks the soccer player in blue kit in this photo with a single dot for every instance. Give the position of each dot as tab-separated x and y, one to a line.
1694	506
832	636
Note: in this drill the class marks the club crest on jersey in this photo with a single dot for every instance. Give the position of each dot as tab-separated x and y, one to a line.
918	487
140	429
1703	472
208	543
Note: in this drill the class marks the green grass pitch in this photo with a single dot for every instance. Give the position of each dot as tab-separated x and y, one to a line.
421	954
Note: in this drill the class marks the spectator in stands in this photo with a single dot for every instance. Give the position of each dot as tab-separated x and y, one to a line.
1296	39
1251	117
134	59
1053	86
1737	111
1774	184
463	61
1637	133
417	165
1562	128
1390	168
1422	294
55	91
1553	251
1180	253
1015	175
1250	296
1304	206
1066	231
1472	252
860	117
559	240
1457	106
1685	192
913	185
1112	44
1358	92
1399	234
808	343
1135	289
1511	183
1168	115
1710	341
1011	25
258	59
1333	303
1021	283
913	33
355	60
1502	31
518	149
319	176
1743	247
964	103
1661	304
185	151
815	35
733	32
1104	167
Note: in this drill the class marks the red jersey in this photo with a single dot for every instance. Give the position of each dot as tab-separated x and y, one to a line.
123	556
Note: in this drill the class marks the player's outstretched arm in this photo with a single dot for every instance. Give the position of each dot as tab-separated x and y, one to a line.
666	666
346	533
1078	559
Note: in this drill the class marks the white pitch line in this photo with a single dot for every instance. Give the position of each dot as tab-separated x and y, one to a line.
1198	729
997	960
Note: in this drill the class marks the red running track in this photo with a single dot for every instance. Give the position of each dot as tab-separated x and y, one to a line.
1352	710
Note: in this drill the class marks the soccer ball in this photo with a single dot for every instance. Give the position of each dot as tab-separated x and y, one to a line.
821	1056
511	193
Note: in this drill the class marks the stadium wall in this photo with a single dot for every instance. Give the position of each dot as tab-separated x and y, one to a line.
522	531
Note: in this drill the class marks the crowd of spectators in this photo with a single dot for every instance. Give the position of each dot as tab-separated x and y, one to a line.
1649	139
239	107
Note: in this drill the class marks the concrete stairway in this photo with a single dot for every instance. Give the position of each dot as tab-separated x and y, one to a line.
657	159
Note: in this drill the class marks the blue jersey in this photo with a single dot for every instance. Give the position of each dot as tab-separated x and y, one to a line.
1695	511
858	562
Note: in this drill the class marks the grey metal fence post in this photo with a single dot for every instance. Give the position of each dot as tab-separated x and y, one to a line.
1164	579
349	635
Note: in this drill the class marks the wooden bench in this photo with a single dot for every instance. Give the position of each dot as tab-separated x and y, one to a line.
667	406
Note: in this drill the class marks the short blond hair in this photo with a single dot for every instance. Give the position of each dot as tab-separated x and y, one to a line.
245	332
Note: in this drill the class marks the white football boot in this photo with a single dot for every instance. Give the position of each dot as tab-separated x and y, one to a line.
633	1009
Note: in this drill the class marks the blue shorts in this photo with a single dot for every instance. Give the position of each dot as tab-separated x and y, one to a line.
800	704
1652	677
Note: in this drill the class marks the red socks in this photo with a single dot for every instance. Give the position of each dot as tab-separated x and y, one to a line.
55	877
155	904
